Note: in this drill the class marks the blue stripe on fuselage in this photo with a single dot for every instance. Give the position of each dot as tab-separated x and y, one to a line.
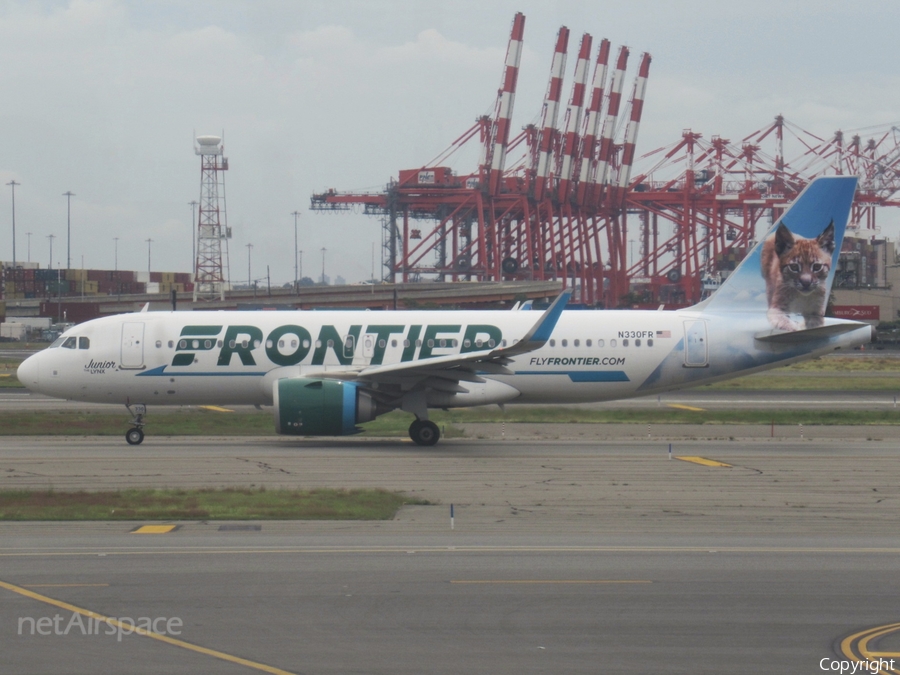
583	375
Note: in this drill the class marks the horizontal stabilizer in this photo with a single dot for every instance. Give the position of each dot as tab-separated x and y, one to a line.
799	336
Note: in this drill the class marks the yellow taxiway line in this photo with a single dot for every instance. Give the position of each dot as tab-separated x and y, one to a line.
703	461
154	529
142	632
685	407
856	648
214	408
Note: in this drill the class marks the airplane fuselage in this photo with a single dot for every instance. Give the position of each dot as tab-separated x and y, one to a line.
178	358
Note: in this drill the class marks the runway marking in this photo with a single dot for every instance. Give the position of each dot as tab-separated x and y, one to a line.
856	647
214	408
63	585
550	581
703	461
154	529
142	632
681	406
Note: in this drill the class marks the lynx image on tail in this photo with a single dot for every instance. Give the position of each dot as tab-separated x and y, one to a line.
796	269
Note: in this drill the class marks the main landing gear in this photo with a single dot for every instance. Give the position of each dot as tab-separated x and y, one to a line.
135	435
424	432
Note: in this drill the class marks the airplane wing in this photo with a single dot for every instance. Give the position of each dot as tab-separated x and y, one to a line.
444	373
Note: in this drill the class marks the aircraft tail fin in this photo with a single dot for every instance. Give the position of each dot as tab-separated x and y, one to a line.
789	273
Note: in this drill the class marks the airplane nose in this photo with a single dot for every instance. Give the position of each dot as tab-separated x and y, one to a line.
28	372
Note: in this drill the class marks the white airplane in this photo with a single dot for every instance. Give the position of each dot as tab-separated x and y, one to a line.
325	372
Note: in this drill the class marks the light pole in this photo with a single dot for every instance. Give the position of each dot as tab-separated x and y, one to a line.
193	206
249	276
68	195
301	266
116	268
51	237
149	241
28	234
296	215
12	184
323	265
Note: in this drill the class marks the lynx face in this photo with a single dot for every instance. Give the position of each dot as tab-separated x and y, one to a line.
796	269
804	263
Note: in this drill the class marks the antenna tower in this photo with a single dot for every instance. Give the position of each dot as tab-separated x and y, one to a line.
211	271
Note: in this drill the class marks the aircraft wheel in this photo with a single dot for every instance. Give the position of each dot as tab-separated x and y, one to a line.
424	432
134	436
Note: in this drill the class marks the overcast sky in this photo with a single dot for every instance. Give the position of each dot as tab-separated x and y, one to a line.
103	98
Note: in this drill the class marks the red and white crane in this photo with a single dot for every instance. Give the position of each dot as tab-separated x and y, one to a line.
548	134
505	102
586	155
572	120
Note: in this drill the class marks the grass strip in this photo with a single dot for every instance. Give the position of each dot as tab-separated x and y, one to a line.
207	423
203	504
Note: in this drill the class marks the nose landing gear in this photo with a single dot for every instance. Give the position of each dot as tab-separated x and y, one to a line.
135	435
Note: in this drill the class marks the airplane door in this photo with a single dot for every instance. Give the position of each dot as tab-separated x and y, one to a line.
132	345
696	349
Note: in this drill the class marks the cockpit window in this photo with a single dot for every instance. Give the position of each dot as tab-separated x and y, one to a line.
70	343
57	342
84	343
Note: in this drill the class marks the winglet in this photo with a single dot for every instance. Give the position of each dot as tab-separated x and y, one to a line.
145	308
541	331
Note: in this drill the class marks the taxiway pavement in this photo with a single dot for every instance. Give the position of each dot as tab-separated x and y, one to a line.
566	556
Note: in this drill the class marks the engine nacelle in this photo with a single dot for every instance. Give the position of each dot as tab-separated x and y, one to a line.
310	407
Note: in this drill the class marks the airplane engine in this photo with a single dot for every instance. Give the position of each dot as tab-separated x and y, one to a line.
310	407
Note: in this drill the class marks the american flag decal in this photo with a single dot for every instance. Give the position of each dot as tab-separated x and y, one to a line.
663	333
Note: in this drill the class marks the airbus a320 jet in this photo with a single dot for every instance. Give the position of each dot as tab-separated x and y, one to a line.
326	372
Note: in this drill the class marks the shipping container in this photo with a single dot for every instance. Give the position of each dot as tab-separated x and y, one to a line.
75	312
75	275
